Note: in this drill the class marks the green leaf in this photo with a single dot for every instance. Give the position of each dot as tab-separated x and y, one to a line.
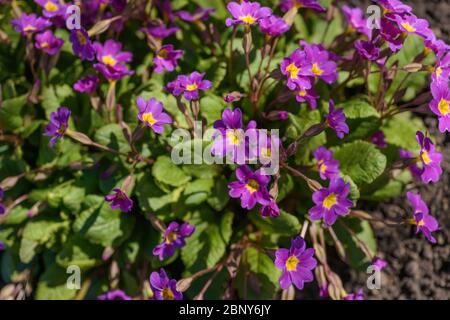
285	224
73	198
219	6
152	198
54	96
385	187
52	285
257	277
27	250
354	191
164	170
104	226
17	215
219	197
10	113
401	131
208	243
360	160
358	108
201	170
112	136
79	251
285	185
43	230
363	231
212	107
197	191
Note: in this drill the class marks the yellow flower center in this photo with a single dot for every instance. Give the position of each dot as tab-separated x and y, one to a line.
234	136
438	72
330	201
443	107
301	93
109	60
62	129
408	27
162	54
51	7
266	152
248	19
171	237
350	29
81	38
44	44
316	69
252	185
29	28
322	167
148	117
421	223
291	263
426	159
167	294
191	87
293	71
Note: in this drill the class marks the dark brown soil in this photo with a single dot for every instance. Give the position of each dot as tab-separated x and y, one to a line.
416	269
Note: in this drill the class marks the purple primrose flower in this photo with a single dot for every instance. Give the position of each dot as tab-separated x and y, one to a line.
424	222
328	167
164	288
430	158
166	58
296	263
251	187
335	119
119	200
48	43
87	84
173	239
189	85
81	44
307	4
331	202
114	295
151	113
58	124
273	26
29	23
246	13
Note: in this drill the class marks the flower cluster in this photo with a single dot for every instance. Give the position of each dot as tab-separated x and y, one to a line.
304	66
131	100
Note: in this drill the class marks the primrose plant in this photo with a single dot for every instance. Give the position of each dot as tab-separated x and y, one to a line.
88	119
